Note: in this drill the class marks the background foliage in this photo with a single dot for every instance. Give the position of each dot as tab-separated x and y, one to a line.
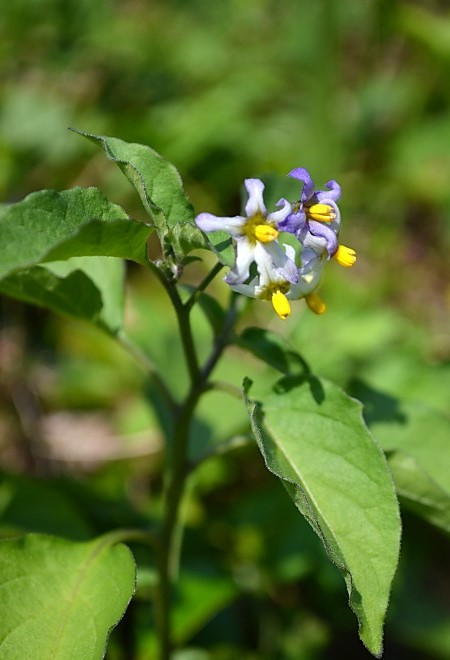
356	91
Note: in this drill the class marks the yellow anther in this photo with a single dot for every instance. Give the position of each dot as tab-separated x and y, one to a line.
315	303
266	233
281	304
321	212
345	256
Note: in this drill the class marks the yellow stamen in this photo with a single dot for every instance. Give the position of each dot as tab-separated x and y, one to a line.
266	233
281	304
315	303
345	256
321	212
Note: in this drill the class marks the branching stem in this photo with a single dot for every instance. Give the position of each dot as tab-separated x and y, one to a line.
177	456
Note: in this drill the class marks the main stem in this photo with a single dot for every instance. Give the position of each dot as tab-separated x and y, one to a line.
175	480
177	458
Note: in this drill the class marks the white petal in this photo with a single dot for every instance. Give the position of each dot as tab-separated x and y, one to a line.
247	289
284	265
316	243
310	275
290	251
264	261
310	259
255	203
244	257
209	222
302	288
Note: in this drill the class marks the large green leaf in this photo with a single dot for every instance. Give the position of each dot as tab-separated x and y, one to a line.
89	288
50	226
160	188
60	599
312	436
56	249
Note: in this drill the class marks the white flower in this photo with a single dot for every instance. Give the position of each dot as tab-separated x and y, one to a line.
256	231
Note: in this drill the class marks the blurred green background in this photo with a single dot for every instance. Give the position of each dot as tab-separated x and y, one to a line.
357	91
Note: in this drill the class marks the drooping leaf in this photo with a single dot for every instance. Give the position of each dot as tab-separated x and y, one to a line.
59	599
313	438
88	288
51	226
160	188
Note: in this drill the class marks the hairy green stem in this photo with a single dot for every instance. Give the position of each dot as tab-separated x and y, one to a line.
184	326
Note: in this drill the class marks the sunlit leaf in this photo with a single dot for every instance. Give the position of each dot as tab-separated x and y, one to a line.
160	188
312	436
50	226
60	599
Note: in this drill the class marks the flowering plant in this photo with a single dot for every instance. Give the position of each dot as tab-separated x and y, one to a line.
314	220
62	250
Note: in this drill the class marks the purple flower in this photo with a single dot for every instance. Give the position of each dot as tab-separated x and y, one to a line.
316	219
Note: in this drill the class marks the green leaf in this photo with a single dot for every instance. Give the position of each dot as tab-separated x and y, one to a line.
50	226
159	186
415	437
60	599
312	436
89	288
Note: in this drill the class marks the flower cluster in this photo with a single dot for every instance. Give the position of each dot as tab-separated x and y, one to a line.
280	272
